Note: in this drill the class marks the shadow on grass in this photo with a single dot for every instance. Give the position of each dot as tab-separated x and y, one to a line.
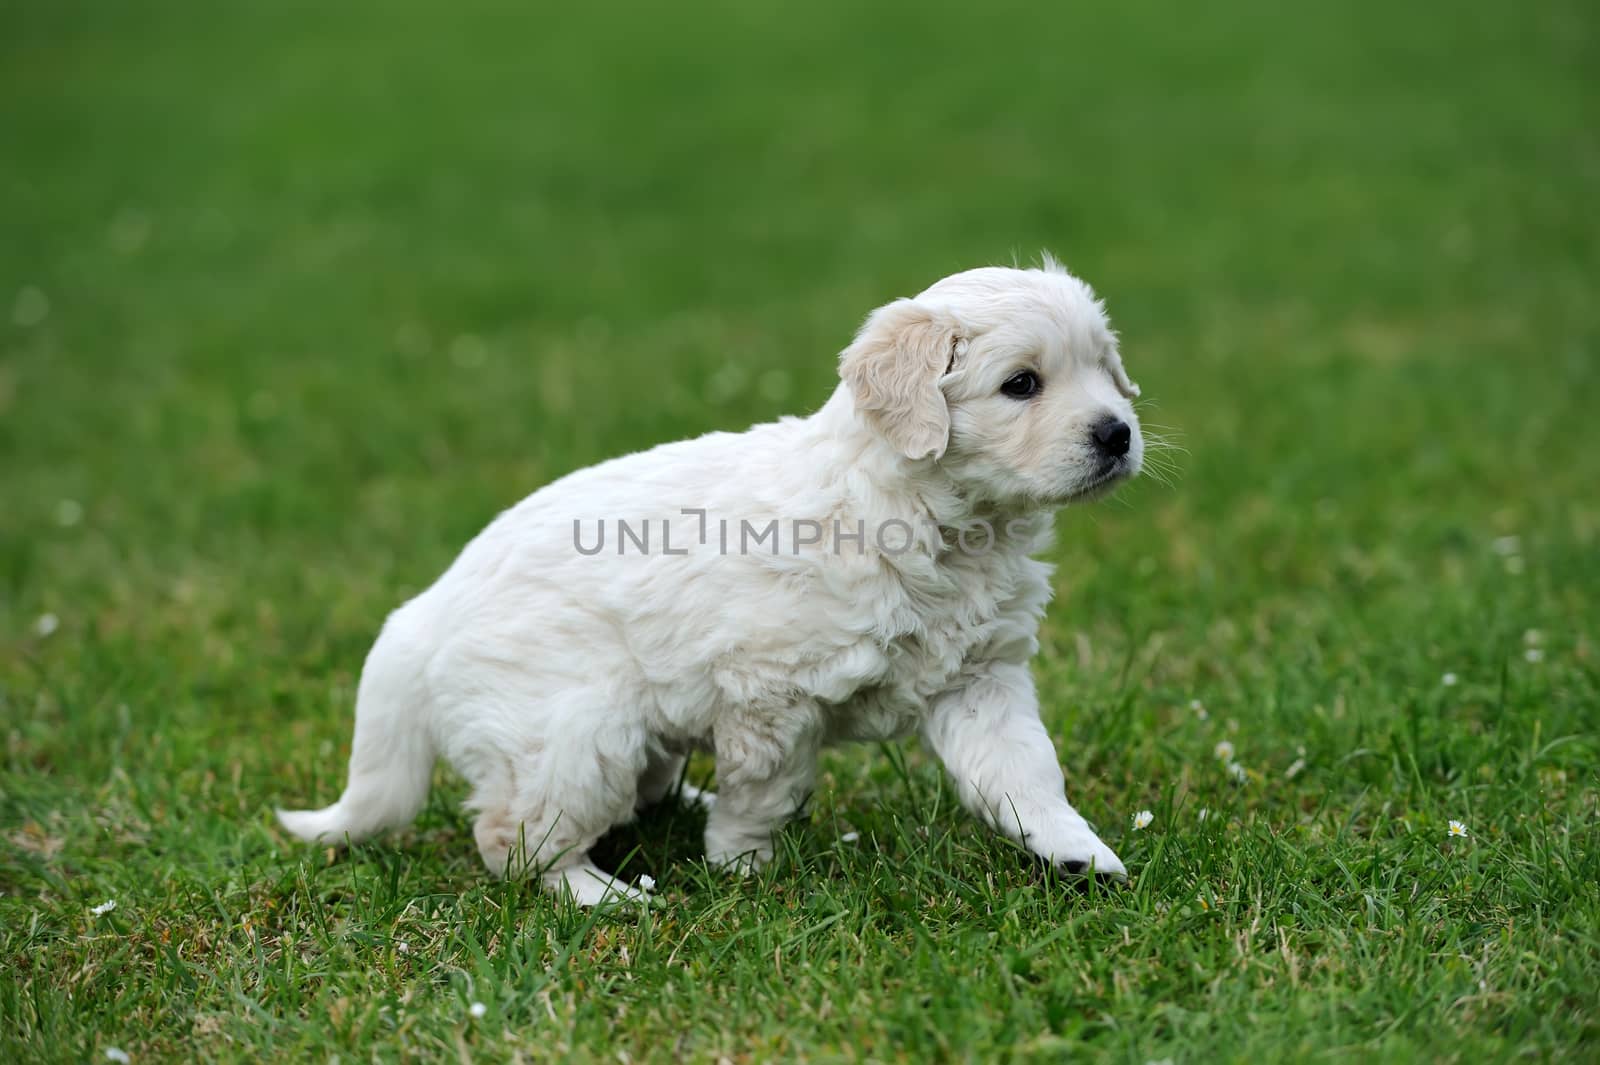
666	835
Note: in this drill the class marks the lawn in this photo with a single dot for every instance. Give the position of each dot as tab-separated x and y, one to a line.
294	298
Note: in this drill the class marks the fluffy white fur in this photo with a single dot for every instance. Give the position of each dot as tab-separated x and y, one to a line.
568	687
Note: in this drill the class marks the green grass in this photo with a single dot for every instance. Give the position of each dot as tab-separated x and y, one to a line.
294	298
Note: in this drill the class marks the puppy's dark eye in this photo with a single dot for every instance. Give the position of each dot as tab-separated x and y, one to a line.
1022	385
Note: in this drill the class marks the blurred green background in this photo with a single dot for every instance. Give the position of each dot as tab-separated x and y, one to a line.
295	297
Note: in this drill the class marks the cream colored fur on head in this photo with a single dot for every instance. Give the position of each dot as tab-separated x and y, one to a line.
864	573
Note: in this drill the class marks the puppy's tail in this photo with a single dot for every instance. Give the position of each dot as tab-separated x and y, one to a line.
391	759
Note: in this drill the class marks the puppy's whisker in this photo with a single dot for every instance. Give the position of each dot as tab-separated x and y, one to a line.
1165	460
1159	476
1160	446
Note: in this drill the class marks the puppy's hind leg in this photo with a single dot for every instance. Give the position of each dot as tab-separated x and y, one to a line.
544	809
766	766
508	850
588	885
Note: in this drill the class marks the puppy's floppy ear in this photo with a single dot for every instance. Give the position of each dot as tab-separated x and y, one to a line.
1125	384
893	370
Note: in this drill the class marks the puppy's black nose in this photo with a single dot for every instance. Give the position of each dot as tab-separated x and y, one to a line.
1113	436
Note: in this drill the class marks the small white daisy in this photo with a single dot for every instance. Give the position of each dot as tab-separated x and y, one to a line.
849	837
1142	819
118	1055
1223	751
1199	709
1533	654
104	908
1294	769
1237	772
1449	680
477	1009
647	882
47	624
1458	829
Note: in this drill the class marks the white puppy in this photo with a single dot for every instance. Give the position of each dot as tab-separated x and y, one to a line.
860	574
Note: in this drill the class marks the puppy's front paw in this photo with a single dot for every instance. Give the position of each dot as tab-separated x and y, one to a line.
1080	852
